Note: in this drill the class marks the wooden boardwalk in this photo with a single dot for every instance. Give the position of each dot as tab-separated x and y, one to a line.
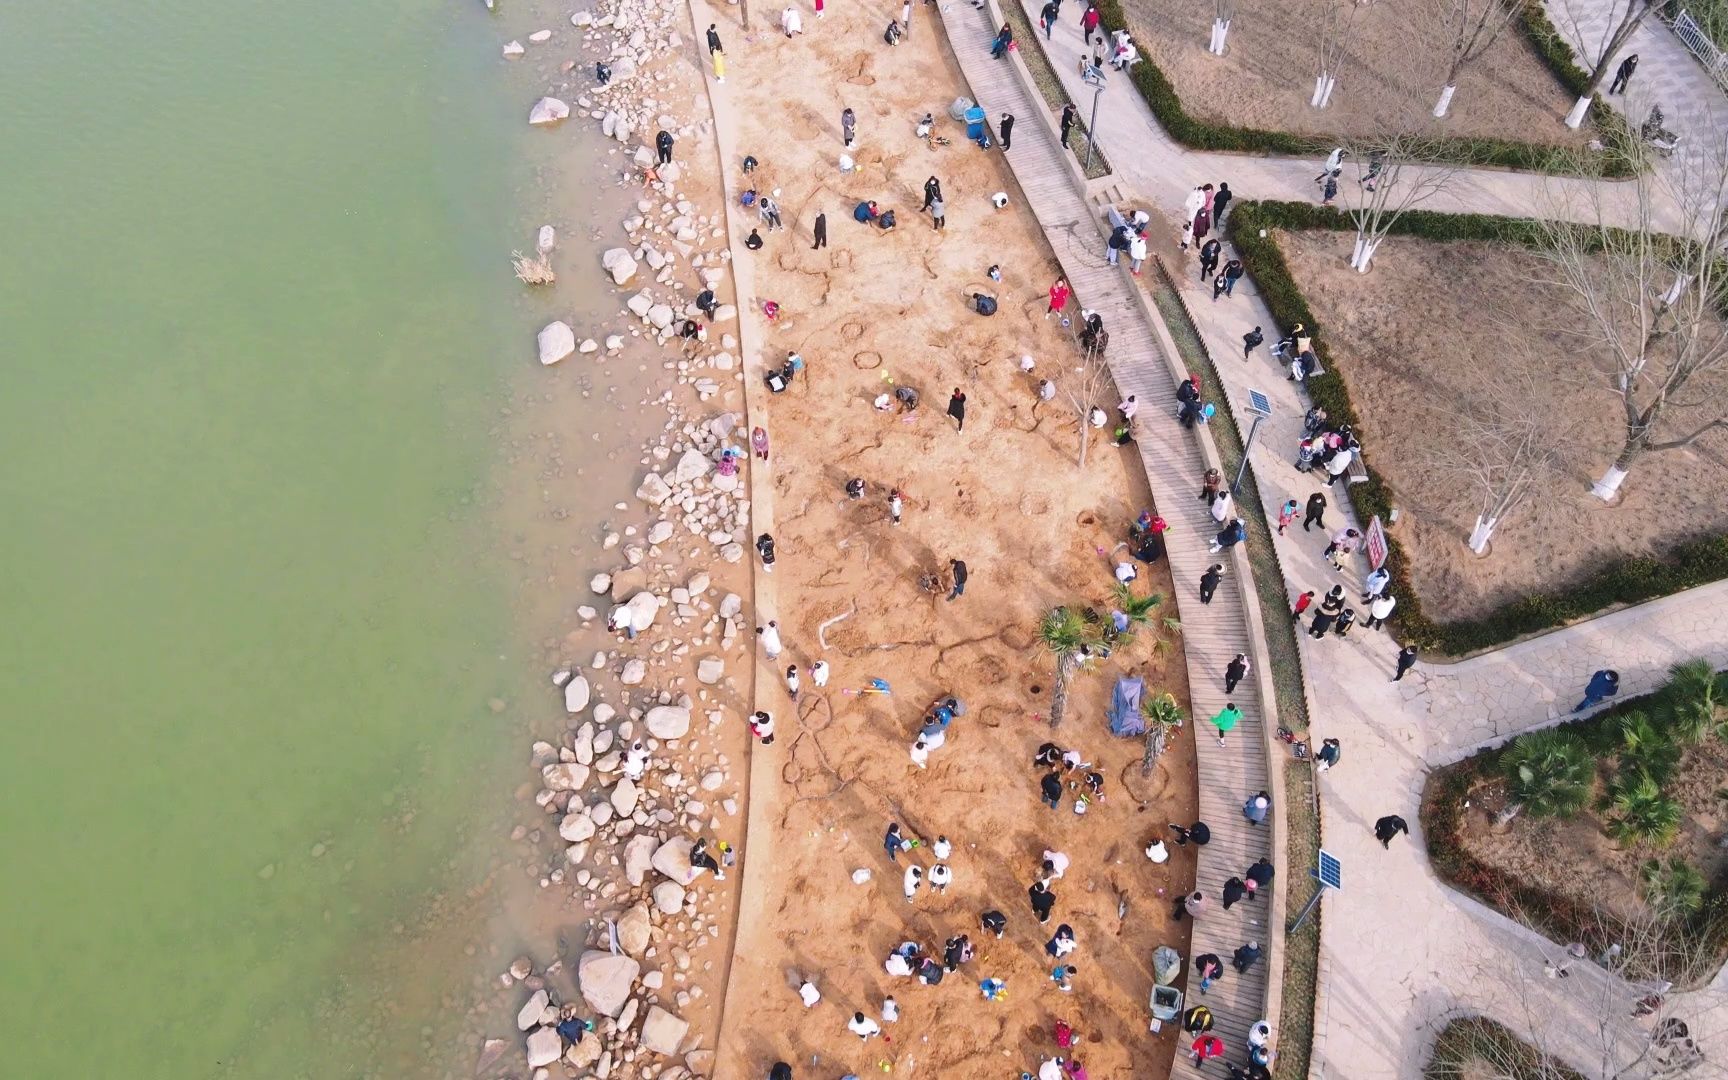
1211	633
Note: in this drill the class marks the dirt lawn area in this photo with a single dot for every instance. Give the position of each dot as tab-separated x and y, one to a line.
1388	78
871	312
1402	336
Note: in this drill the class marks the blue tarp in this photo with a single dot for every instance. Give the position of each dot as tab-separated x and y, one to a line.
1124	713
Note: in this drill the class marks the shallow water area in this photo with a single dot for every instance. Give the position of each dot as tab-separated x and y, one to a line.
273	590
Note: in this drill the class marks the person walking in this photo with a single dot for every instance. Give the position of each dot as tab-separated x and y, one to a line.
1406	660
1245	957
718	59
1058	297
663	146
1050	789
932	192
1379	610
759	442
1286	514
1042	900
1603	685
770	636
848	127
958	569
1193	905
1209	582
1346	619
1316	512
1233	272
1221	203
1250	341
1070	116
762	726
1047	18
1007	127
1623	74
1327	755
1234	892
1199	833
896	503
765	548
714	45
820	231
1234	672
1259	876
938	213
1209	253
1388	827
1301	605
792	681
1329	189
1258	806
1226	720
957	408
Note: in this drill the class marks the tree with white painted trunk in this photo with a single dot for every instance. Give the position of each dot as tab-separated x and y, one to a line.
1223	13
1085	389
1597	42
1504	443
1336	21
1393	174
1646	304
1464	31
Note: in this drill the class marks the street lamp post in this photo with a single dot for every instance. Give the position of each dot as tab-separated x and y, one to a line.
1093	77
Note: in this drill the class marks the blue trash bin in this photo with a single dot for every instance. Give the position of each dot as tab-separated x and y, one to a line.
975	123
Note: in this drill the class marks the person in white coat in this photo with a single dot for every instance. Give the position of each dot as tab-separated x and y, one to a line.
1191	206
1136	252
909	882
1380	610
819	674
862	1026
635	761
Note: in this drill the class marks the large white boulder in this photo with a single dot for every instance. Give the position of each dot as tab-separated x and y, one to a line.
557	341
564	776
576	695
667	721
619	263
662	1032
548	110
545	1046
576	827
633	928
513	50
639	859
606	980
530	1013
660	316
669	897
673	858
692	466
644	606
625	796
653	490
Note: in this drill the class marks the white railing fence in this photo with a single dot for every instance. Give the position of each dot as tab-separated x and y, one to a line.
1714	60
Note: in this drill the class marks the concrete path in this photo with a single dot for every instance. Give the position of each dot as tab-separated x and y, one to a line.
1174	459
1386	991
1157	168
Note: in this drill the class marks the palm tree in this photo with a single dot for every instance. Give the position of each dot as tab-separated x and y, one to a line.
1550	774
1642	812
1162	715
1697	701
1138	609
1645	748
1674	888
1070	637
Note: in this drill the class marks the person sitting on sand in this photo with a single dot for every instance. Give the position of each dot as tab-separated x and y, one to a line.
707	302
753	241
886	221
892	36
865	212
907	397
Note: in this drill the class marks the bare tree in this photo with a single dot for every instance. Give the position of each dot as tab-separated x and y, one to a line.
1597	40
1393	174
1336	20
1647	305
1083	388
1223	12
1466	30
1505	441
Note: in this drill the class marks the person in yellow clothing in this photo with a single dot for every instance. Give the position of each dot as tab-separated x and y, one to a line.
719	65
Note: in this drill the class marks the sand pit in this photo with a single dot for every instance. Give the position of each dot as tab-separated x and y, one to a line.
1005	496
1399	335
1267	74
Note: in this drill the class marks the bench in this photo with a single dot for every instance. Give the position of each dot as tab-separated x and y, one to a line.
1356	472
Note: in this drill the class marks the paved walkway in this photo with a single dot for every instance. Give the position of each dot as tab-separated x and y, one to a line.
1174	460
1385	990
1149	162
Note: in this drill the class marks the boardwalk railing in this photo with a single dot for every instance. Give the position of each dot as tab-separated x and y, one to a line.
1713	59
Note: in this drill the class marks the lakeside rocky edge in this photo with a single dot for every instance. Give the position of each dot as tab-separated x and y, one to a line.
637	774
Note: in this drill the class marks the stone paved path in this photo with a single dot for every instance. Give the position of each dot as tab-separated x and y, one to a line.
1401	951
1174	460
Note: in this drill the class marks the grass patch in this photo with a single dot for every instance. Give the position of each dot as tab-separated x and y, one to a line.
1477	1046
1049	84
1302	836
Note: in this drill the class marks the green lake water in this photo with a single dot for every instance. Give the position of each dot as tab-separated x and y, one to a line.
256	324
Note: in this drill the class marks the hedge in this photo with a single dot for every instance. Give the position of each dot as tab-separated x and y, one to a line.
1560	918
1626	581
1197	134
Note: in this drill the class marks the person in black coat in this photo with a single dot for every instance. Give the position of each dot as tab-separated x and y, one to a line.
1209	582
663	144
1234	891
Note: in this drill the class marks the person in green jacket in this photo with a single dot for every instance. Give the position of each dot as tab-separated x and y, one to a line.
1226	719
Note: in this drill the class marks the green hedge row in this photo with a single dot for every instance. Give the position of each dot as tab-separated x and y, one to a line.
1197	134
1560	918
1628	581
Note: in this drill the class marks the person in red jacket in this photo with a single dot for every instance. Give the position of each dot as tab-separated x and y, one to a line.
1058	297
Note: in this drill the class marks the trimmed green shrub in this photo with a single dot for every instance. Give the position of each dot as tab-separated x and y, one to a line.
1673	886
1625	581
1641	812
1550	773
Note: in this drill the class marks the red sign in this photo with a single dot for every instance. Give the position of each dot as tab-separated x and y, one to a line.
1376	543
